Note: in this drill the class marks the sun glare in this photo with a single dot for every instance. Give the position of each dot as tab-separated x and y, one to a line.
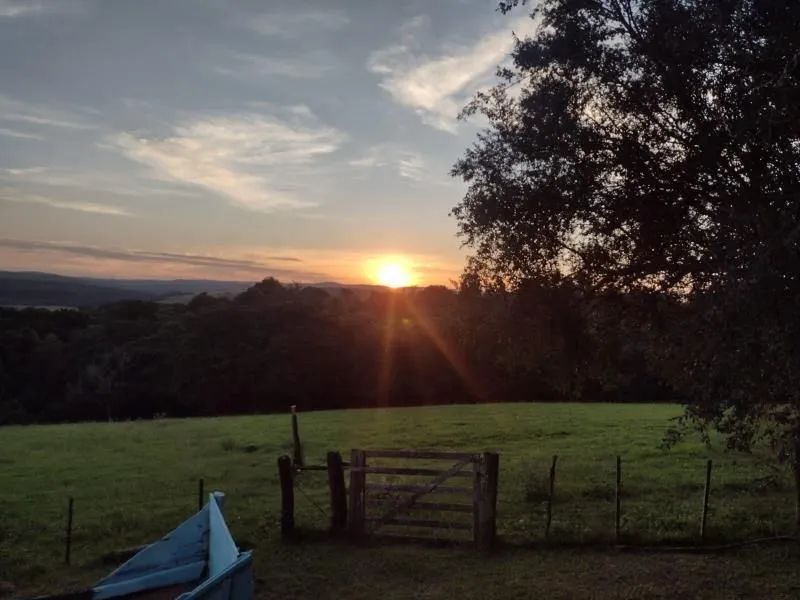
392	272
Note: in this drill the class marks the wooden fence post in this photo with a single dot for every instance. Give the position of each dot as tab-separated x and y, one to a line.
68	539
200	494
706	492
357	513
550	497
487	503
338	492
287	495
477	471
297	455
618	496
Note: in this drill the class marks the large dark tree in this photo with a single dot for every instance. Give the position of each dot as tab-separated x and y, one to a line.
650	149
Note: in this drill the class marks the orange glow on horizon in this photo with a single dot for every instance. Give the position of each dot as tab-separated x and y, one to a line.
391	271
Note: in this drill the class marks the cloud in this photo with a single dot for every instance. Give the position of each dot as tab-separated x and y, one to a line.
144	256
312	66
316	264
297	23
33	114
26	171
436	88
91	181
407	164
14	9
19	134
54	180
10	9
256	161
80	206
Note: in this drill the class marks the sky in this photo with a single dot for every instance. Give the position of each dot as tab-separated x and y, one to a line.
310	141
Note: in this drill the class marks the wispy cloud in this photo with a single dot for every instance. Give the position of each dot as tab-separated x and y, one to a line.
15	133
94	182
33	114
14	9
287	264
80	206
10	9
311	66
405	163
253	160
146	256
437	87
298	23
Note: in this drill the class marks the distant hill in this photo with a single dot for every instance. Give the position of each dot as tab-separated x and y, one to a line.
48	289
30	288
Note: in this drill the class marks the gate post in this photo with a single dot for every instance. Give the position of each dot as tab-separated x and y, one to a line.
338	492
477	476
486	517
357	491
287	495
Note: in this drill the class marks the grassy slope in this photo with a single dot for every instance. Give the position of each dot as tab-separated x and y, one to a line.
134	481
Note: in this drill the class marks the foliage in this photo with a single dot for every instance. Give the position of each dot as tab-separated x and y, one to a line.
273	346
647	153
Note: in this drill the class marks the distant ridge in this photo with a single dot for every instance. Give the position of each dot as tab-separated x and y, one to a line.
34	288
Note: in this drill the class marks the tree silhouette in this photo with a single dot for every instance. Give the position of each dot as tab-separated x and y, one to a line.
652	148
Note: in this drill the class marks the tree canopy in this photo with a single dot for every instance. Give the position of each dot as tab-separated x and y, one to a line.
274	345
649	151
640	144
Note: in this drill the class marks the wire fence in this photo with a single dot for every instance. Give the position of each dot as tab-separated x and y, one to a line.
584	506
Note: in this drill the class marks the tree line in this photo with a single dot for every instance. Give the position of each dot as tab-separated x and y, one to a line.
274	345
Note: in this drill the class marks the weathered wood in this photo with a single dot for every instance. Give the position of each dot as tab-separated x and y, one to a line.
706	492
550	494
476	501
487	503
422	523
200	494
617	498
356	514
68	539
409	471
796	472
423	506
401	537
338	492
310	467
287	495
431	454
297	455
417	489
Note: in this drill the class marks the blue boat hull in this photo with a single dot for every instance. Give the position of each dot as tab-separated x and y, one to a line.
199	555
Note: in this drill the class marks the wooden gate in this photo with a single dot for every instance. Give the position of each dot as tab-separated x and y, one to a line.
389	504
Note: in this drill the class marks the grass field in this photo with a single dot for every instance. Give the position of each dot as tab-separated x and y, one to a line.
134	481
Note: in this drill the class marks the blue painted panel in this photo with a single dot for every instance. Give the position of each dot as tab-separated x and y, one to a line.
233	583
150	581
222	552
186	545
200	545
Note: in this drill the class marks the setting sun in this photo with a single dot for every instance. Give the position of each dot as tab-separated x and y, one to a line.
391	271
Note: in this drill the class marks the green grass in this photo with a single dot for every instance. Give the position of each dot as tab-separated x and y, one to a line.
134	481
